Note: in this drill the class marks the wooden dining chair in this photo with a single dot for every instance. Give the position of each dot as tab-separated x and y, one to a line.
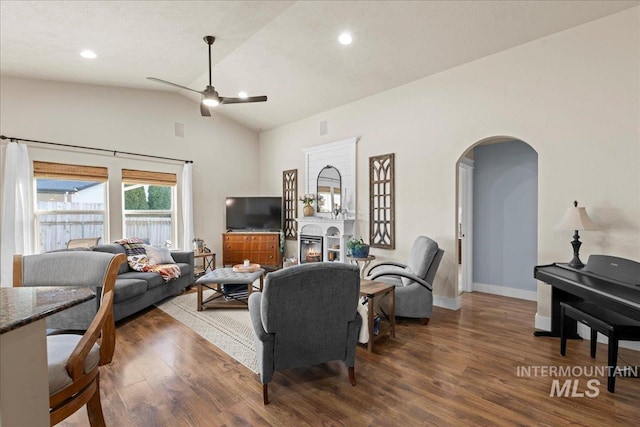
73	359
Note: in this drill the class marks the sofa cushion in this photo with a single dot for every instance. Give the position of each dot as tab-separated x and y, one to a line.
185	269
152	279
129	288
114	248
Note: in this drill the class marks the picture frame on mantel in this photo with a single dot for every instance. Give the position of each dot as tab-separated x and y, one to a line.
342	156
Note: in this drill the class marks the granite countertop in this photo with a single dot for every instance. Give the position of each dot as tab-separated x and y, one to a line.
24	305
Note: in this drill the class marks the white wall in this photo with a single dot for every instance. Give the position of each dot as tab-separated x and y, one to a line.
225	154
573	96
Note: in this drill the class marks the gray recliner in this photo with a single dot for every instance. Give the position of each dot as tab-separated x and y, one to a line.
306	315
413	281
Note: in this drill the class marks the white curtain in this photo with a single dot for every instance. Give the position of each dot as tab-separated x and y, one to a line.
187	206
17	211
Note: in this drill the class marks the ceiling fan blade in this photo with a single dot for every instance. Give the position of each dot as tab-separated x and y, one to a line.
204	110
224	100
172	84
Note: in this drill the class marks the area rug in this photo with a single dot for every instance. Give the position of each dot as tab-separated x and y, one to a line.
228	329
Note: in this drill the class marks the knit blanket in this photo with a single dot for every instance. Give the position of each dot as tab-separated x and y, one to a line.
138	260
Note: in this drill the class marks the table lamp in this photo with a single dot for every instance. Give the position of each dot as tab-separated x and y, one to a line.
576	218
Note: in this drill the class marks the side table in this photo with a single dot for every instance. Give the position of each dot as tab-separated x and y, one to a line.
365	263
372	291
207	263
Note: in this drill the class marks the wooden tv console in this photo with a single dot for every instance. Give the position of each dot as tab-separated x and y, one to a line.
259	248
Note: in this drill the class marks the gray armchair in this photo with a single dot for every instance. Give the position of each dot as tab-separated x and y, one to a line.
414	280
306	315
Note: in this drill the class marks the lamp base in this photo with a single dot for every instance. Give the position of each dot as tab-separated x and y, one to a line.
576	263
576	243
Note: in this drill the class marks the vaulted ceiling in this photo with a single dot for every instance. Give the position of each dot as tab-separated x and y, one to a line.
287	50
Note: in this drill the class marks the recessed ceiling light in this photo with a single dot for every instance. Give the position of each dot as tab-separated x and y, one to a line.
89	54
242	95
345	38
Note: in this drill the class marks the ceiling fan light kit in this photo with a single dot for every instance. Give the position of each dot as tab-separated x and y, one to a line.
210	97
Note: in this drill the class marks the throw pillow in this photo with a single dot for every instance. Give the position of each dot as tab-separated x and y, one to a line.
158	255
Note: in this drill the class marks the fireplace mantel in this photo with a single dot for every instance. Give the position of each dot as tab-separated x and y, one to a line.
320	226
334	232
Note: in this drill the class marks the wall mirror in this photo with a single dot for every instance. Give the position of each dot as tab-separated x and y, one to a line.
329	187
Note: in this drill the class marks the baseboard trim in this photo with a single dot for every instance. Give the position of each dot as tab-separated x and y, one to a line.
542	323
446	302
506	292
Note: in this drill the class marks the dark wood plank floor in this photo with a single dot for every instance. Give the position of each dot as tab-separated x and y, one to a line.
461	369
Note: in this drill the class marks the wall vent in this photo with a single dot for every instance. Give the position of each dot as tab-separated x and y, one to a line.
323	127
179	129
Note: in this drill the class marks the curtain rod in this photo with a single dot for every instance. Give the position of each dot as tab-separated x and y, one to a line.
13	139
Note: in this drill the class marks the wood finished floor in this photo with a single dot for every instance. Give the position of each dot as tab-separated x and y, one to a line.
458	370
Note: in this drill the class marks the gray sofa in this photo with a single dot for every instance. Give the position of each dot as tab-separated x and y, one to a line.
135	291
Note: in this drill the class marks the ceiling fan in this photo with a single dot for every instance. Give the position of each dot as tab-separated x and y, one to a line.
210	97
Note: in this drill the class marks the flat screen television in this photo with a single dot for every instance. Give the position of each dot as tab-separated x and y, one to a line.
254	213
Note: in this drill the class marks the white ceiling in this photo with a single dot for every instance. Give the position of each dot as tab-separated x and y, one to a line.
287	50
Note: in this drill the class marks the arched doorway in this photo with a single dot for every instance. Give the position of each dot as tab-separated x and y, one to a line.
497	217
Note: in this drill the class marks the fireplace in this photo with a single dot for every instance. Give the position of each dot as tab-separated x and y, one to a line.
310	248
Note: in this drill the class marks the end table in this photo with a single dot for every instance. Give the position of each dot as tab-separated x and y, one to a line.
372	291
207	263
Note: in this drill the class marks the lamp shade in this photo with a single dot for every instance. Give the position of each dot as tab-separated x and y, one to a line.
576	218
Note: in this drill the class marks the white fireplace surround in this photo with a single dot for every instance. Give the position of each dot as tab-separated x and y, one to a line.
334	232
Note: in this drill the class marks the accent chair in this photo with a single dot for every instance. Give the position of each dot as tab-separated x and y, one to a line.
413	281
306	315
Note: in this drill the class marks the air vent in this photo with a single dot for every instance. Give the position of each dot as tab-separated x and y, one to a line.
179	129
323	127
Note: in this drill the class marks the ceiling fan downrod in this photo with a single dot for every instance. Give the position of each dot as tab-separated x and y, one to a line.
209	40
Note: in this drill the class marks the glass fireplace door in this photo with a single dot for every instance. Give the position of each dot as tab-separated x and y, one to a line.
310	249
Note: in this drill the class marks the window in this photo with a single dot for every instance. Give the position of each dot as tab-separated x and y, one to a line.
149	206
70	203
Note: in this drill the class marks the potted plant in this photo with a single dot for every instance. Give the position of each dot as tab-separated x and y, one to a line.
308	200
357	248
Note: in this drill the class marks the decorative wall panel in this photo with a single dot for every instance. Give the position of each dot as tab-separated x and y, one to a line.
381	202
290	203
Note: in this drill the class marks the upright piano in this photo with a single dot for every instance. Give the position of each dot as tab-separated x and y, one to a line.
608	281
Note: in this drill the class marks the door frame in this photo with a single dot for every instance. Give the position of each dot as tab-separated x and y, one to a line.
465	182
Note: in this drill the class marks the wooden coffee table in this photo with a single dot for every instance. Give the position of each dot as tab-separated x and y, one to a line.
372	290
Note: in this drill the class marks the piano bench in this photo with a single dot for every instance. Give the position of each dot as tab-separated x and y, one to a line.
614	325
